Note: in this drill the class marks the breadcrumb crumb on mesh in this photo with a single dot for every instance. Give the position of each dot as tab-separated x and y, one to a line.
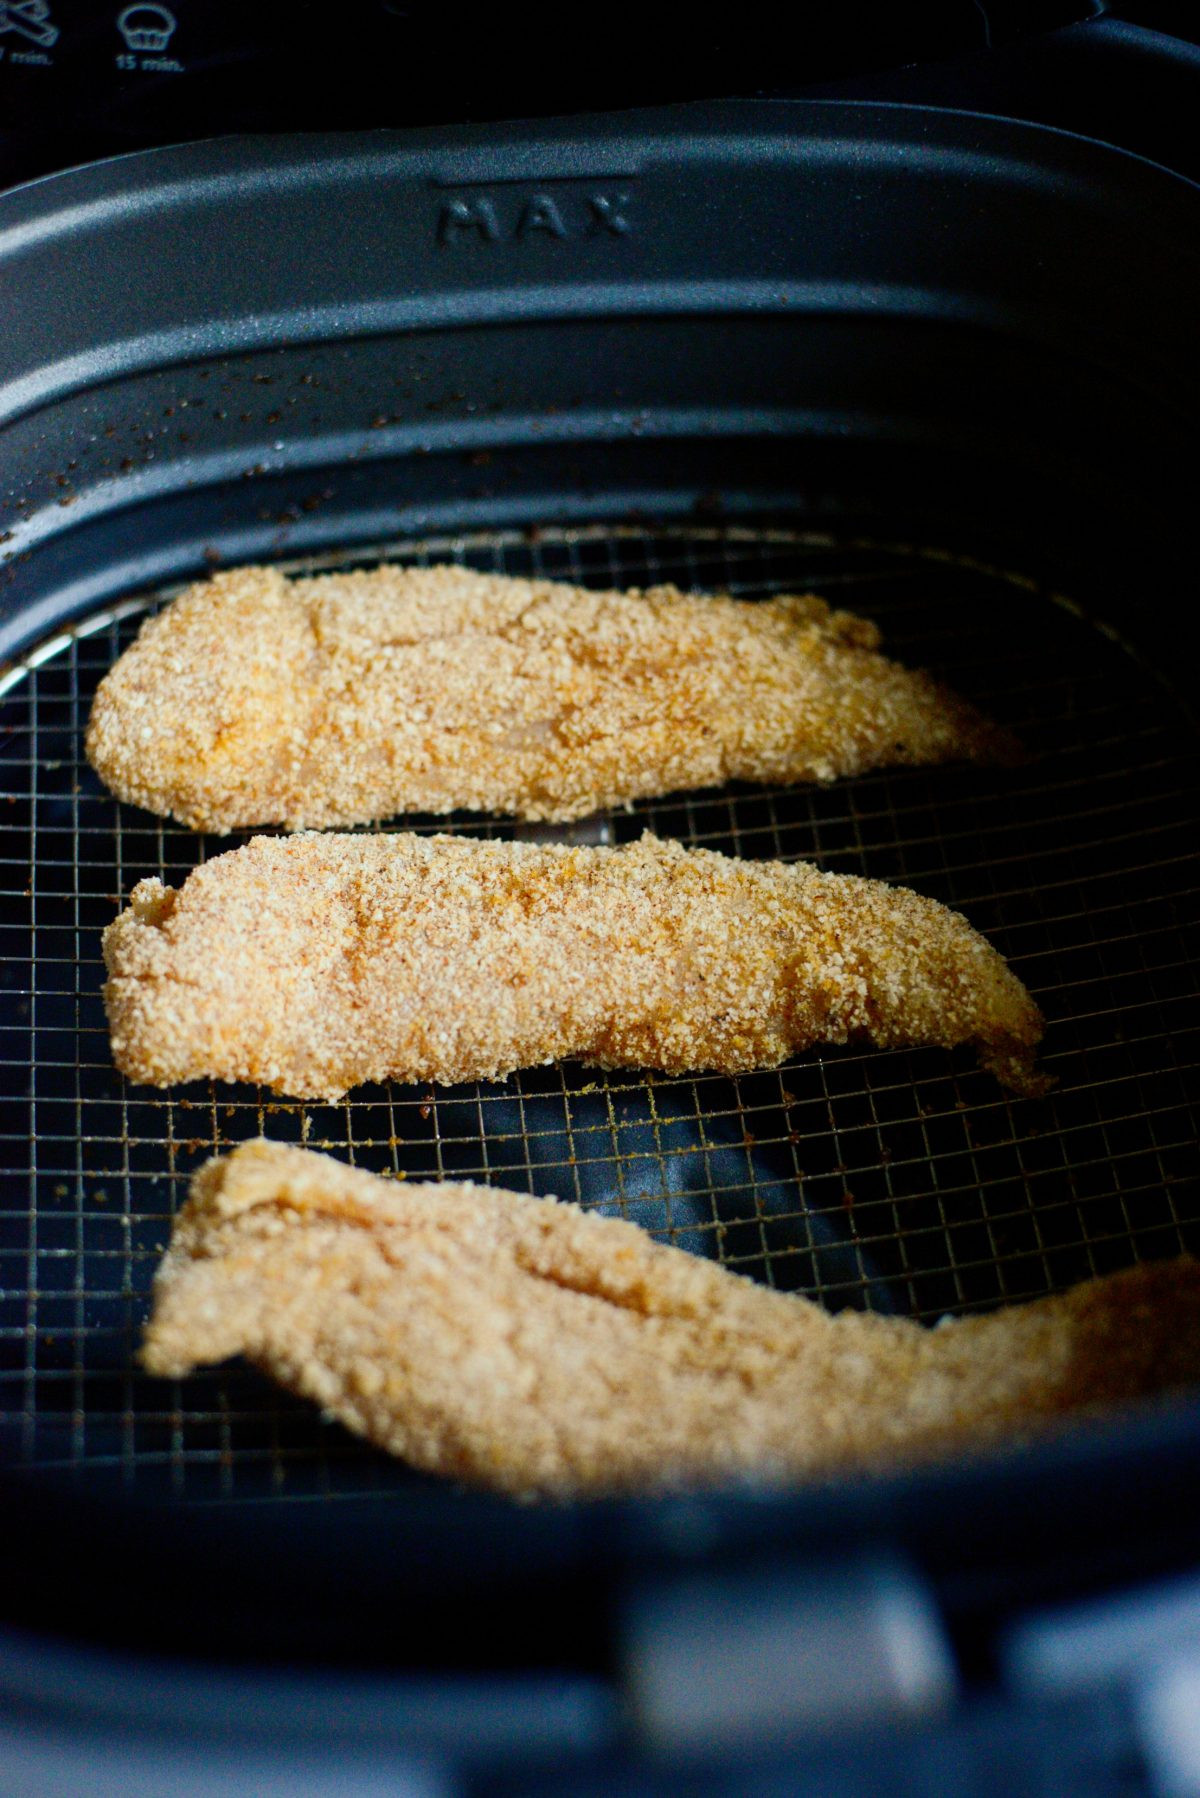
311	964
524	1345
254	699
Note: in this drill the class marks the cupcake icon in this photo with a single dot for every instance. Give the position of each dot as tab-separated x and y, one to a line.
146	27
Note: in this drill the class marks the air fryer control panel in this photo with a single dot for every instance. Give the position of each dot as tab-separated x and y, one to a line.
82	79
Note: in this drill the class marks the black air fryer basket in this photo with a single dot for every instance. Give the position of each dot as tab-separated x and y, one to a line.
936	367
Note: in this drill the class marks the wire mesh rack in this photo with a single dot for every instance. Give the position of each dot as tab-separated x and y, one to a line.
903	1181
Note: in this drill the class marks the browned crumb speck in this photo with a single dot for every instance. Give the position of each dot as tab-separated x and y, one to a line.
310	964
255	699
524	1345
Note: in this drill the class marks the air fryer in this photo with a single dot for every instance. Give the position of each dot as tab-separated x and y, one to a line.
912	326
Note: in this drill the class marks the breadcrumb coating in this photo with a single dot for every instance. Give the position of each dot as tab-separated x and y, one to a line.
526	1346
310	964
254	699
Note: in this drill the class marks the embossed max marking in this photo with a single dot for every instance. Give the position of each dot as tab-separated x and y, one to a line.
526	211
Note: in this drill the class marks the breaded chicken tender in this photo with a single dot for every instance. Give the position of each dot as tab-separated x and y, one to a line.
254	699
310	964
526	1346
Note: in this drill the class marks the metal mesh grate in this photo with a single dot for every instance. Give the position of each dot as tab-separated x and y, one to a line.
903	1180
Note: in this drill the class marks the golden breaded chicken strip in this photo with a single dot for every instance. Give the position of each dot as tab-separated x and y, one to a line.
525	1345
254	699
310	964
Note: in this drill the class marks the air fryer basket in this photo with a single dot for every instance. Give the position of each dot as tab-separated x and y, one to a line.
905	1181
773	376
